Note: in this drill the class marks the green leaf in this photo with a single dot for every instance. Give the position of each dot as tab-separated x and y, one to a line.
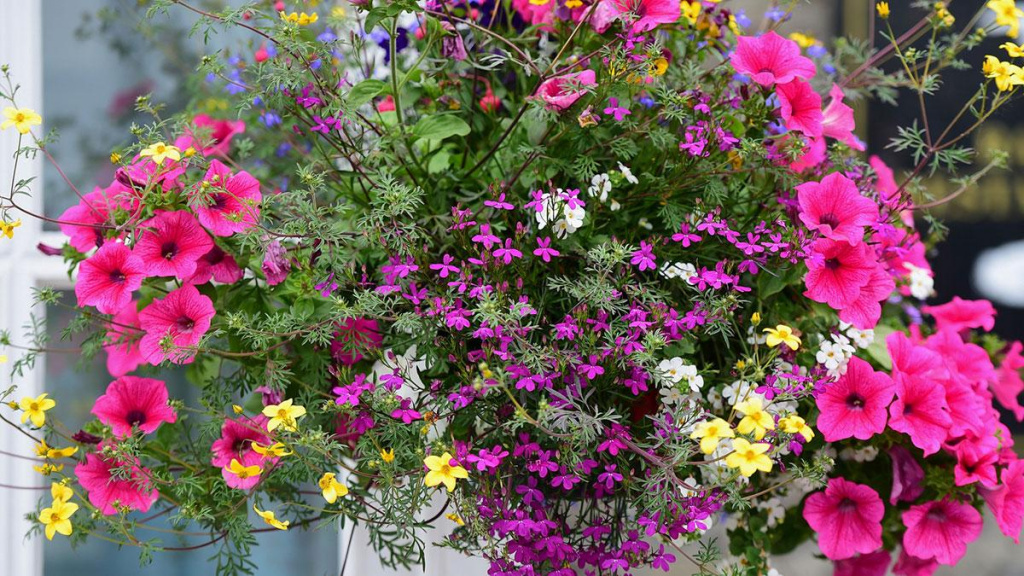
364	92
439	163
878	350
440	126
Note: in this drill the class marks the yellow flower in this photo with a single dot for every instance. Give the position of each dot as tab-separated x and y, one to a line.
442	472
710	433
1007	14
7	228
45	451
455	518
237	409
755	419
755	318
803	40
1005	74
748	457
331	488
657	67
883	10
61	492
190	152
945	18
388	455
35	409
539	2
47	469
1014	50
690	11
302	19
283	414
276	449
570	4
268	517
160	152
782	334
21	118
796	425
242	471
57	518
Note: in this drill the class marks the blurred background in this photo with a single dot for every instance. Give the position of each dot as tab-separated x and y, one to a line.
93	60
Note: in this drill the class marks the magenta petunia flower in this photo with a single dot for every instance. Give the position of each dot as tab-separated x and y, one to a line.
856	406
216	265
171	244
85	223
1007	501
353	337
107	490
866	310
837	271
770	59
873	564
132	401
276	263
649	13
182	318
561	92
235	442
226	203
1008	385
122	343
960	314
221	133
941	530
907	565
847	517
800	107
920	409
835	208
837	121
907	476
107	279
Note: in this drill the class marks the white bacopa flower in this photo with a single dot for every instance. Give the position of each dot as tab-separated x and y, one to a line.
627	174
754	337
600	186
922	285
861	338
739	391
672	396
865	454
830	355
615	206
562	228
672	369
683	270
714	397
844	345
694	380
574	216
645	224
775	511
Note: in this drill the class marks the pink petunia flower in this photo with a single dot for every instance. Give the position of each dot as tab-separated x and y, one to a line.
220	133
1008	384
84	222
1007	501
837	271
276	264
941	530
182	318
649	13
235	442
835	208
907	565
122	347
216	265
847	517
106	489
856	406
561	92
131	401
534	13
866	310
770	59
226	203
920	409
907	476
107	279
172	244
353	337
960	314
837	121
800	107
873	564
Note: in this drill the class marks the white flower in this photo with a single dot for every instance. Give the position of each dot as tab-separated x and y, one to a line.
615	206
865	454
739	391
844	344
672	369
754	337
691	482
861	338
683	270
776	512
695	381
627	174
645	224
830	355
574	216
714	397
547	212
672	396
922	285
600	186
562	228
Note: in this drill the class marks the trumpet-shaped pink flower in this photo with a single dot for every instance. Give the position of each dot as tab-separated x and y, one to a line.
960	314
220	134
107	491
561	92
873	564
216	265
941	530
649	13
837	121
866	310
847	517
131	401
122	347
227	203
770	59
856	406
1008	384
1007	501
107	279
837	271
907	475
800	107
235	442
920	409
84	223
172	244
181	319
907	565
835	208
354	337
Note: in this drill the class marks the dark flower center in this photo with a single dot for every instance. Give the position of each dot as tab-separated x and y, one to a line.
832	263
214	256
847	505
135	417
937	514
240	444
185	324
117	276
855	401
908	408
219	200
830	219
169	250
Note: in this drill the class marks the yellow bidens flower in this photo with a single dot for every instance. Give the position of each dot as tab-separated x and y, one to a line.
331	488
1014	50
160	152
60	491
7	228
749	458
755	419
455	518
710	433
883	10
755	318
268	517
658	67
115	157
276	449
782	334
442	472
237	409
690	11
796	425
803	40
45	451
283	414
57	518
388	455
942	14
1007	14
21	118
243	472
1005	74
302	19
48	468
34	409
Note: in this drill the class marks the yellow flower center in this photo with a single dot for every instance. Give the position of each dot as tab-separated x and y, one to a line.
33	407
54	517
